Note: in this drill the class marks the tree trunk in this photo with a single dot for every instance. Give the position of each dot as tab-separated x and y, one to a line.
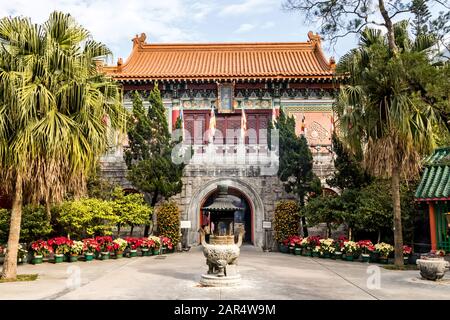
398	236
10	264
118	230
349	233
379	236
389	26
48	208
131	231
147	227
305	228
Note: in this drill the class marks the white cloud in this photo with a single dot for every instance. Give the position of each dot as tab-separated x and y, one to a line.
115	22
249	7
268	25
245	27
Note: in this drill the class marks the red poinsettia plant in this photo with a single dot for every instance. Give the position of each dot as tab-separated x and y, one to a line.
41	248
60	245
366	246
145	243
295	241
166	242
314	241
105	243
407	250
133	243
90	245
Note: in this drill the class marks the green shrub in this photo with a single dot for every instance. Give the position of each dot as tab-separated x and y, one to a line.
35	224
86	217
287	220
168	219
130	209
4	225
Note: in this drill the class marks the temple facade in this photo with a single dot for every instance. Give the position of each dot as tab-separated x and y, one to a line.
226	95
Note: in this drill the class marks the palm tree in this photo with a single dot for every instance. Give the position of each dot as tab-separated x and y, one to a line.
384	112
55	113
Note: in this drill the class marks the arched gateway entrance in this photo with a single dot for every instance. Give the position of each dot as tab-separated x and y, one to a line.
244	196
242	218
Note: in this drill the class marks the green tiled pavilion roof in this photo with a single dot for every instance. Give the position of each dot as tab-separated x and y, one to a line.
435	183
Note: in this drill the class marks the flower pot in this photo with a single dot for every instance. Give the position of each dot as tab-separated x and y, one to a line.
105	255
73	258
58	258
88	256
315	254
118	255
326	255
365	257
321	255
37	259
292	250
349	257
66	257
406	260
155	251
374	256
298	251
283	248
337	255
383	260
133	253
145	252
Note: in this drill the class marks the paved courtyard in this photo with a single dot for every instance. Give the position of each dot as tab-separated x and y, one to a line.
264	276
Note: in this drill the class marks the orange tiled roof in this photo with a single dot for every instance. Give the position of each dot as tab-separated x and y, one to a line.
223	61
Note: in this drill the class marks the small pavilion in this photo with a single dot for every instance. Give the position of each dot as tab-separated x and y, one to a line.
434	190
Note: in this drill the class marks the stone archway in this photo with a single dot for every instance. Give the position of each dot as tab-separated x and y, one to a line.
246	189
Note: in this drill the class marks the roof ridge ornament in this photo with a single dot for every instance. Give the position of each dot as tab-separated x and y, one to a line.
139	40
314	38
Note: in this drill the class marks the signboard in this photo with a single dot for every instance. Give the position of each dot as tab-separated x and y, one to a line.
267	224
185	224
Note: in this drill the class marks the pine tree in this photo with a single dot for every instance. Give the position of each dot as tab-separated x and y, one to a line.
421	17
348	173
295	163
149	160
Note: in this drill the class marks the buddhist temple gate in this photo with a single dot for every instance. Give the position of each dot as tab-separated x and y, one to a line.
219	88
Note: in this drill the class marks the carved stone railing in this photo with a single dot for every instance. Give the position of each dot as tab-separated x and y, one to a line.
231	154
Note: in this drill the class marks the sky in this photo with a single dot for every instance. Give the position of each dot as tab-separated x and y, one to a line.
116	22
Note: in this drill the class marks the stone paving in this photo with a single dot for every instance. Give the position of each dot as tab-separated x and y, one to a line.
264	276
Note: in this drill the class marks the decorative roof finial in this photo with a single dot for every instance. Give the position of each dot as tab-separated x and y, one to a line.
332	63
139	40
314	38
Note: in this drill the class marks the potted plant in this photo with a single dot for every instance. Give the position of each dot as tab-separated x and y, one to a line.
90	247
145	246
40	250
119	245
156	244
284	246
106	246
22	254
407	250
60	247
365	246
132	245
350	247
306	247
296	241
326	247
166	244
75	249
384	249
339	247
